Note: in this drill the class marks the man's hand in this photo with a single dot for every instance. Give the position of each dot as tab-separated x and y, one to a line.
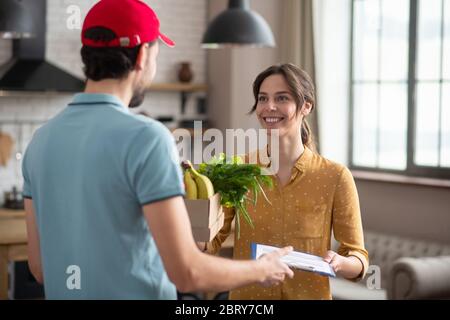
275	269
346	267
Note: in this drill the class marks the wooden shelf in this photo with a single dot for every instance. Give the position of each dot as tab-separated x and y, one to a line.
170	87
183	88
178	87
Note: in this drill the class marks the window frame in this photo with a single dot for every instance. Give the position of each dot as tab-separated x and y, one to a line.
412	169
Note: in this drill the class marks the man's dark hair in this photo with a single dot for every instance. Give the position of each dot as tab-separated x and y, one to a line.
107	62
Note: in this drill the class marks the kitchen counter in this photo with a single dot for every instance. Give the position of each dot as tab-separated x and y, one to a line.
13	244
9	213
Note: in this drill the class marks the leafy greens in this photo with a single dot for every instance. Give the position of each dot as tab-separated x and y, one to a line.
235	181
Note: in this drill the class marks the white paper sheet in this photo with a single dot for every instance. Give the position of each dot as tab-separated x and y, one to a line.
297	260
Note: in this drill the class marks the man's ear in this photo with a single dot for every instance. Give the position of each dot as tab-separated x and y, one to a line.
142	57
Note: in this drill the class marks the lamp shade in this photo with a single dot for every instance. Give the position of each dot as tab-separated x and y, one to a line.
238	26
15	20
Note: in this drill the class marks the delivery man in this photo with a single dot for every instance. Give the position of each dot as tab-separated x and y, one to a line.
104	194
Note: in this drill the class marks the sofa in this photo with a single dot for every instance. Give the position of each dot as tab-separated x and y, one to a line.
408	269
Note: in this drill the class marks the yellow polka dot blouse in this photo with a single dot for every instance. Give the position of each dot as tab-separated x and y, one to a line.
321	197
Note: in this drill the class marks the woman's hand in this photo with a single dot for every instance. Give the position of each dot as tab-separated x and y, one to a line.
346	267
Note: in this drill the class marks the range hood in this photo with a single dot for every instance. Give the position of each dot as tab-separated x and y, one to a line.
28	70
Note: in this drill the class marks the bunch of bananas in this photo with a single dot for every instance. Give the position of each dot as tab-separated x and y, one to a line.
197	186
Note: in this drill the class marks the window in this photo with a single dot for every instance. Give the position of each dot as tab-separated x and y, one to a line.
400	86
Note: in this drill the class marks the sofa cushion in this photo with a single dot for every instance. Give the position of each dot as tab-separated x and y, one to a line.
420	278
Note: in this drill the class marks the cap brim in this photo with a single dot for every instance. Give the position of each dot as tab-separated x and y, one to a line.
166	40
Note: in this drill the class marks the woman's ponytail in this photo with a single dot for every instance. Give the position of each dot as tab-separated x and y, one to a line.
308	136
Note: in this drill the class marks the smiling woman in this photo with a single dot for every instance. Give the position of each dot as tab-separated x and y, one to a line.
312	196
280	93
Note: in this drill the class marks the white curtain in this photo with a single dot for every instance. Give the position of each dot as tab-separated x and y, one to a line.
297	43
332	57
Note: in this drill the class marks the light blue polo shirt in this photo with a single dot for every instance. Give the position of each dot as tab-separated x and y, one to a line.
89	171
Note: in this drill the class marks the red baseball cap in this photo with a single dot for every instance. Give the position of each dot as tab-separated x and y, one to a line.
133	21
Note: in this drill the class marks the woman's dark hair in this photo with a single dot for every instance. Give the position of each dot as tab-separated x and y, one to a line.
107	62
301	87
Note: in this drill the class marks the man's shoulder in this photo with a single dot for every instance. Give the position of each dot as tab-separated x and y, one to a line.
149	127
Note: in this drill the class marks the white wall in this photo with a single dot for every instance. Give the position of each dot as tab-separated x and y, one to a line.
414	211
183	21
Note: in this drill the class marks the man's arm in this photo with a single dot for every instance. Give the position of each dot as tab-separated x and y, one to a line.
34	252
190	269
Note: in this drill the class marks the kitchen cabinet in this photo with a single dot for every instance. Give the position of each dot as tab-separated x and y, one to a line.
13	244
